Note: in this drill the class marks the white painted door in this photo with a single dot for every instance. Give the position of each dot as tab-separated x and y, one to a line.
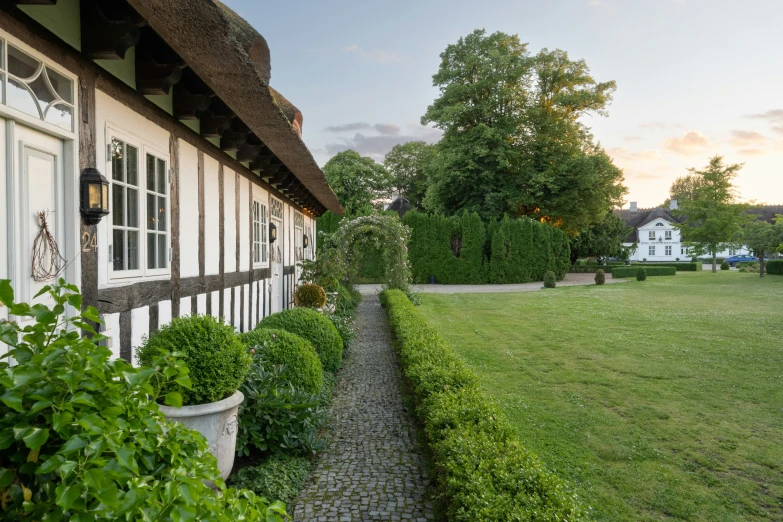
276	256
38	188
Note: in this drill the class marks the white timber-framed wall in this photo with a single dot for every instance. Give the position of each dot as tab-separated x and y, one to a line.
203	221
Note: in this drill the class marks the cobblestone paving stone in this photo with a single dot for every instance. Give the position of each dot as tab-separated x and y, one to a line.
372	468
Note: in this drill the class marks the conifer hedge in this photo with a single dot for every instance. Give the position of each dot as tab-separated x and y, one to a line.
462	250
774	267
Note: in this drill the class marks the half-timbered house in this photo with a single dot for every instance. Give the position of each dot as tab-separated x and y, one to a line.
210	191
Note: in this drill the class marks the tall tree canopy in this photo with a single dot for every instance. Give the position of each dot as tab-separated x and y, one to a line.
513	143
713	220
684	188
356	181
762	238
407	164
604	239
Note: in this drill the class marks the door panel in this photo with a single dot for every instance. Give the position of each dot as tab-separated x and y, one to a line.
276	256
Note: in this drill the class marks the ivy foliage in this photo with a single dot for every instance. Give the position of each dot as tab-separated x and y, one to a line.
81	436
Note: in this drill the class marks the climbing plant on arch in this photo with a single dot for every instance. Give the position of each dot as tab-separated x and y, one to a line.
384	234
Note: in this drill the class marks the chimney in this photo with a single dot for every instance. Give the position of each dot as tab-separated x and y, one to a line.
633	207
673	205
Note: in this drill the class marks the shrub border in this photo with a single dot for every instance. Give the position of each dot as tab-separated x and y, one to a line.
483	472
774	266
630	271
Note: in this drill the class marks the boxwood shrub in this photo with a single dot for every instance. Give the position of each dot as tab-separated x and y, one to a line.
314	327
310	296
217	359
302	366
725	266
774	267
630	271
681	267
483	472
600	277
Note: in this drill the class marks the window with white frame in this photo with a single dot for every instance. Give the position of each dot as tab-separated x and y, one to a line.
125	210
139	228
651	251
30	86
667	234
260	224
157	214
668	250
277	208
682	251
651	235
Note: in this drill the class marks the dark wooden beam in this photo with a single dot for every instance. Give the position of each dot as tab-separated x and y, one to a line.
107	29
153	78
214	125
279	176
248	152
232	141
188	105
35	2
261	163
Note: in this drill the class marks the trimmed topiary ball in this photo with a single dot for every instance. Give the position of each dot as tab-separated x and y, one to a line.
310	296
302	366
217	359
314	327
600	277
724	265
641	274
550	280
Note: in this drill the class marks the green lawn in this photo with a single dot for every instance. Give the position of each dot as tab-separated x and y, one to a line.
660	400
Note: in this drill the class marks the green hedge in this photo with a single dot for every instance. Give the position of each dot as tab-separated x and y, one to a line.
311	326
774	267
630	271
462	250
680	267
483	472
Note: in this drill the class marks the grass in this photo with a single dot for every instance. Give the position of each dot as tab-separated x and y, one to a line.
659	400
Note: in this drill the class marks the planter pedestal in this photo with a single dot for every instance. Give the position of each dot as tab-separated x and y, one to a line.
217	422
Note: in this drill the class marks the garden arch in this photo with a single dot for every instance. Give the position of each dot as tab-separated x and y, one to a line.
384	234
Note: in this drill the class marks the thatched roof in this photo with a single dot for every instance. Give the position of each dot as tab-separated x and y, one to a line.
641	218
229	55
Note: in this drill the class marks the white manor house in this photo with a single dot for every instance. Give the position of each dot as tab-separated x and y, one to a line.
657	239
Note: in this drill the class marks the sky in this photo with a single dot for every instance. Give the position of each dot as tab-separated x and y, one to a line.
694	78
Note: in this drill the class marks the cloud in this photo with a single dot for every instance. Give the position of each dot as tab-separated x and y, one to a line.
751	152
659	125
633	138
741	138
373	55
387	129
377	145
348	127
645	175
775	115
622	154
778	129
692	142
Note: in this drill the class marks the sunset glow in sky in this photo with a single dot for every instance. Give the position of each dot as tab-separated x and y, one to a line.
694	78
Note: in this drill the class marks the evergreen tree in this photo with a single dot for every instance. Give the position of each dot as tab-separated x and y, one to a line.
499	261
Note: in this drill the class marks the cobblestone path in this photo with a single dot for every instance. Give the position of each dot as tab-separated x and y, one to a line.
372	468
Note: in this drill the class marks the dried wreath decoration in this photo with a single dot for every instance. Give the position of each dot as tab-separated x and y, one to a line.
46	262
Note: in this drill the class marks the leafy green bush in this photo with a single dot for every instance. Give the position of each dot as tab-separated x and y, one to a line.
280	477
725	265
483	472
744	269
310	296
641	274
276	416
345	327
314	327
583	269
774	267
600	277
549	279
278	347
82	436
631	271
217	359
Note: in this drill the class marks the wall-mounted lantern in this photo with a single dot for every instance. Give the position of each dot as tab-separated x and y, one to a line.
272	232
305	241
94	196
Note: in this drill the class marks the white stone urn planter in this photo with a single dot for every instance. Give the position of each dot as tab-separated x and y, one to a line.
217	421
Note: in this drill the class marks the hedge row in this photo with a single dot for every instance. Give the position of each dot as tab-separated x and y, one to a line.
630	271
462	250
774	267
680	267
483	472
584	269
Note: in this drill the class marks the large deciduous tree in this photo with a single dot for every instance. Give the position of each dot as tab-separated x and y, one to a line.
407	164
604	239
684	188
513	143
357	181
713	220
762	238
